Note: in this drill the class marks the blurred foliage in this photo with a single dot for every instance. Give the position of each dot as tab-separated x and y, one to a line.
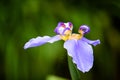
21	20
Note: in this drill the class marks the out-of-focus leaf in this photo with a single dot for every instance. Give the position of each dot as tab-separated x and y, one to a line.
52	77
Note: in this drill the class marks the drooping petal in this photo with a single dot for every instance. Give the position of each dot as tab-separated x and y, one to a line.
40	41
81	53
93	42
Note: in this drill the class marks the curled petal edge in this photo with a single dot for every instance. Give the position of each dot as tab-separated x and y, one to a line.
81	53
38	41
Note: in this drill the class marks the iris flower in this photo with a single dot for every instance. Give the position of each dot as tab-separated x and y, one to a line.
77	46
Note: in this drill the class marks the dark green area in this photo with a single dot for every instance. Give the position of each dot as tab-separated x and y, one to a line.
21	20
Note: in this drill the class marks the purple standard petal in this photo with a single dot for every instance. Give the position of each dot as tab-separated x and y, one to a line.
93	42
69	25
85	28
81	53
40	41
61	27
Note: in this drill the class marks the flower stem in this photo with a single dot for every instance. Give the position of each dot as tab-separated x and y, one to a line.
75	75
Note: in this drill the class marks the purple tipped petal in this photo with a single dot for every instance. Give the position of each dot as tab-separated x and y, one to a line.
93	42
40	41
81	52
61	27
85	28
65	30
69	25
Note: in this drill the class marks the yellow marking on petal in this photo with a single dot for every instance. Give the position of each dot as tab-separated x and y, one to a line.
64	37
68	36
68	32
72	36
81	32
76	36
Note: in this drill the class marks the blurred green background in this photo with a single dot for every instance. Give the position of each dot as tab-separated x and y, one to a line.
21	20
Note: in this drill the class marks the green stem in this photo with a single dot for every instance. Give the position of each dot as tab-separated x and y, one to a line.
75	75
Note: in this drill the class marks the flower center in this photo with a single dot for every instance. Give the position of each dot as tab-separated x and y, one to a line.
68	35
76	36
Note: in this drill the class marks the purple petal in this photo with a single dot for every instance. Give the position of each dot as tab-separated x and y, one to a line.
55	38
69	25
61	27
81	53
93	42
40	41
85	28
